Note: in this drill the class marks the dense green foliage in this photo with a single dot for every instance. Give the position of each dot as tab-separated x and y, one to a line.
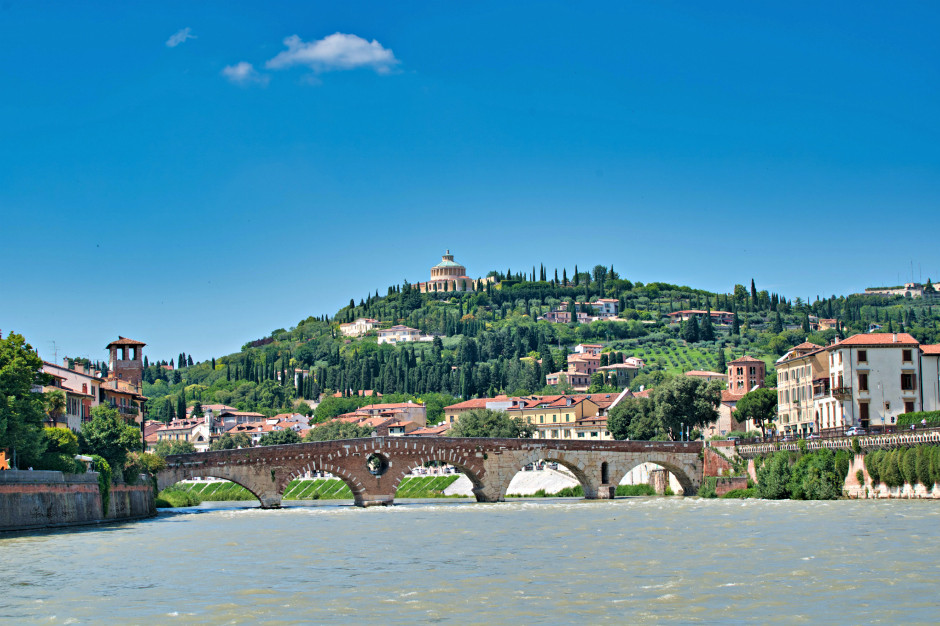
165	448
920	464
759	405
680	402
103	468
108	435
489	423
486	338
21	411
818	475
332	431
229	441
175	496
279	437
931	417
643	489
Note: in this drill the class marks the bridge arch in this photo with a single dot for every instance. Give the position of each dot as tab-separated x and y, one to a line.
684	480
355	486
168	478
582	473
465	468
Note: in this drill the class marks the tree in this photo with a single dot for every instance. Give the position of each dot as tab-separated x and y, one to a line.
759	405
21	410
722	363
331	431
778	323
109	436
489	423
629	418
686	401
229	441
279	437
54	401
197	409
180	406
773	477
708	329
166	448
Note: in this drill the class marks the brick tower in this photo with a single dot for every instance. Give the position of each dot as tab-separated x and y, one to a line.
126	361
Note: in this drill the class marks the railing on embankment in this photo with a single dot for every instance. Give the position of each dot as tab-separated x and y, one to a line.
866	443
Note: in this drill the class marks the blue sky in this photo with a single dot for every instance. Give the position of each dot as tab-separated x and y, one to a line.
196	189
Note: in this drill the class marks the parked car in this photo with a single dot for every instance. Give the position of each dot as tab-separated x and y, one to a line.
855	431
812	436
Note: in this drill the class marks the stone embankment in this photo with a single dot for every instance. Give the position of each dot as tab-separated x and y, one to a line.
40	499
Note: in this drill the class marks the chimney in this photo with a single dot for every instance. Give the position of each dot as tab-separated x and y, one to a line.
894	338
65	362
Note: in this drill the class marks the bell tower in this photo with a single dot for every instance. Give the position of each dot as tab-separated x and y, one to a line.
126	361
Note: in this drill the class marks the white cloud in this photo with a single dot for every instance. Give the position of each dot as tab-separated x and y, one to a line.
244	74
179	37
338	51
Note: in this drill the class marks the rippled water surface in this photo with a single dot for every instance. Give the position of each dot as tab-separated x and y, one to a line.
631	560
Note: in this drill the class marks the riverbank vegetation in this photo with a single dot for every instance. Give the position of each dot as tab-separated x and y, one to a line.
894	468
818	475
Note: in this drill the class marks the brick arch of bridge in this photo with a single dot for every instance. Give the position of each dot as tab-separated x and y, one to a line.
683	469
576	462
267	494
467	467
350	479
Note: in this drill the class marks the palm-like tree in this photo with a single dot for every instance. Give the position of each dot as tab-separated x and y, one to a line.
55	404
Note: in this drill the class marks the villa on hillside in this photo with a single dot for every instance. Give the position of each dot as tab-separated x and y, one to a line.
359	327
399	334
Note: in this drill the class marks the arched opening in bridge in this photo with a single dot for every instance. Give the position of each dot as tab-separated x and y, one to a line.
605	473
309	484
548	476
377	464
654	479
205	488
438	479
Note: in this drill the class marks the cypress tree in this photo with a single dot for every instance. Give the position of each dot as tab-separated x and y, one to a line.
181	405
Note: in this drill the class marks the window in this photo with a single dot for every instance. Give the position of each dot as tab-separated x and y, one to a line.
580	434
908	382
554	418
863	356
863	382
908	407
863	411
541	419
906	355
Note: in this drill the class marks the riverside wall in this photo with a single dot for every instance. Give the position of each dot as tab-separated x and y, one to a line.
42	499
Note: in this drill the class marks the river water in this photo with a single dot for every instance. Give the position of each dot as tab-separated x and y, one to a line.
633	560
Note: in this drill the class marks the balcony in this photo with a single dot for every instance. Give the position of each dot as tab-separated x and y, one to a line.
842	393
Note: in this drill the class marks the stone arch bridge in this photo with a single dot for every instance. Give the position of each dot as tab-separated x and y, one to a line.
373	467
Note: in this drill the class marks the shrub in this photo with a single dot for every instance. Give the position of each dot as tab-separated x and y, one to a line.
843	461
932	418
707	489
873	465
922	465
890	472
740	493
856	446
104	482
860	477
173	497
635	490
773	476
908	465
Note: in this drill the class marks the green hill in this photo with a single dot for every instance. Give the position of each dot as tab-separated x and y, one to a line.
483	336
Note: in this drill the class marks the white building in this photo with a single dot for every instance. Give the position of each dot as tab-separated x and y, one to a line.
359	327
874	378
398	334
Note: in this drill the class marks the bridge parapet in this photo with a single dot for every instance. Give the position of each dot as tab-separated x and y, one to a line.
866	442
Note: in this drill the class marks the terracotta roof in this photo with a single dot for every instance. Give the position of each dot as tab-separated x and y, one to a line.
806	346
933	349
730	396
704	373
642	394
746	359
475	403
877	339
124	341
431	430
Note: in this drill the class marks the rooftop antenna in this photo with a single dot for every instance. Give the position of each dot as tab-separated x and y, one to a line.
55	351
